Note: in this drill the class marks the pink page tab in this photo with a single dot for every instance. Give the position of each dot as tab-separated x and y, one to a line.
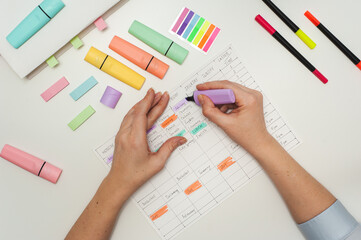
100	24
211	39
54	89
180	19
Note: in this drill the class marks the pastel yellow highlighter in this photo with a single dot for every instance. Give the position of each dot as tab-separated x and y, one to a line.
114	68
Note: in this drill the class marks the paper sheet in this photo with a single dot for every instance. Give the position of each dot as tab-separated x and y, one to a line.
210	167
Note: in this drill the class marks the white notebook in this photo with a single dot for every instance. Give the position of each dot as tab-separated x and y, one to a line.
72	19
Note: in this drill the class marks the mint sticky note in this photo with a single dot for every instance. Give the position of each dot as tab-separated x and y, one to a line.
81	118
83	88
76	42
52	61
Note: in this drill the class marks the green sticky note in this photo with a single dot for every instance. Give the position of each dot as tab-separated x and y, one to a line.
198	128
76	42
81	118
52	61
195	30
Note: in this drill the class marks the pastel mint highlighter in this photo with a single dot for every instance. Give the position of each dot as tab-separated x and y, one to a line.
33	22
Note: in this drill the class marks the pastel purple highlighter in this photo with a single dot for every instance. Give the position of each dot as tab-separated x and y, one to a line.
218	96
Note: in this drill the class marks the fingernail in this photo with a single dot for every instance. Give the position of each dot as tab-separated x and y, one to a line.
150	89
201	99
182	141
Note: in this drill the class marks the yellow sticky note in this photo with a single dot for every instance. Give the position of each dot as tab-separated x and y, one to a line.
201	33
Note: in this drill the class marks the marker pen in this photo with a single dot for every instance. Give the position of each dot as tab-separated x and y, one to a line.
31	163
218	96
158	42
37	19
114	68
139	57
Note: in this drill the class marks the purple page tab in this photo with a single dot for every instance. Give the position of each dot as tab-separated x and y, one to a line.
180	19
185	23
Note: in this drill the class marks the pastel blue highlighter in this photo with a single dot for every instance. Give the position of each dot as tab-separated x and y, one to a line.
37	19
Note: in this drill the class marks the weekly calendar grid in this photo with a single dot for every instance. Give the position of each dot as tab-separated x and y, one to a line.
210	167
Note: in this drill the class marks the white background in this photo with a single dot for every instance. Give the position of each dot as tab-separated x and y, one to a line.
326	117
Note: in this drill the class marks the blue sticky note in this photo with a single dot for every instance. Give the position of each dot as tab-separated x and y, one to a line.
190	26
83	88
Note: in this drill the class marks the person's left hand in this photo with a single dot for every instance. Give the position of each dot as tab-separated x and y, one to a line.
133	162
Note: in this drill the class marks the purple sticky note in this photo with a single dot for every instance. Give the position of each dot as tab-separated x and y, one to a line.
110	97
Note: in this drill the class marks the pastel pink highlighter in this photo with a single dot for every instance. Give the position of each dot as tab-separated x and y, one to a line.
31	163
218	96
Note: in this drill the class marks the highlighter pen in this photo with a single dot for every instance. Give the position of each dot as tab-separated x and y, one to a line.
158	42
114	68
290	24
218	96
139	57
334	40
31	163
37	19
290	48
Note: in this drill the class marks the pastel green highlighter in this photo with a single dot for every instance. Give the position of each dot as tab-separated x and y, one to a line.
37	19
159	42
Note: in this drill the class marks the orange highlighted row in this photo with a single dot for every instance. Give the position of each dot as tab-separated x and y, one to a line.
196	185
225	164
159	213
169	121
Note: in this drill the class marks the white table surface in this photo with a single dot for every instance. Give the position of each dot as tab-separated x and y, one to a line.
326	117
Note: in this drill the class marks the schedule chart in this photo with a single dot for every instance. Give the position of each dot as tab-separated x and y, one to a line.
210	167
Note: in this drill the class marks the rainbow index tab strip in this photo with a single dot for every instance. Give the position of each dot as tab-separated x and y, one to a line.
195	30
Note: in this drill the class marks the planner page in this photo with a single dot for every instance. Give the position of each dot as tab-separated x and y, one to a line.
210	167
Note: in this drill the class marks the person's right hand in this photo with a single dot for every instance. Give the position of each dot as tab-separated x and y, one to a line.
245	124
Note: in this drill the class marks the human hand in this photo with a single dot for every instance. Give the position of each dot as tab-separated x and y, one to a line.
133	162
245	123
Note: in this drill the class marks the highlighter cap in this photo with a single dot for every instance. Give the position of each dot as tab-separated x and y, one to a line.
218	96
52	7
50	172
158	68
95	57
177	53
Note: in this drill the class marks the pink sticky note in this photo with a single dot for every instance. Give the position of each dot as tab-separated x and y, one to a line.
54	89
211	39
101	24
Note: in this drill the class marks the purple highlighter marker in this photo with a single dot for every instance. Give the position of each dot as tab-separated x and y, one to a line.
218	96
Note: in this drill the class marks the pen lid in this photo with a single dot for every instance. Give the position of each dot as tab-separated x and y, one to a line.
52	7
177	53
158	68
50	172
95	57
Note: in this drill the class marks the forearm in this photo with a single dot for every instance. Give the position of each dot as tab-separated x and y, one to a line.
98	218
304	195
